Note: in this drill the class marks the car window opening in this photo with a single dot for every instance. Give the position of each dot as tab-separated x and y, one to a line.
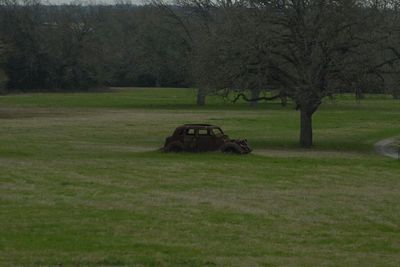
203	132
217	131
190	131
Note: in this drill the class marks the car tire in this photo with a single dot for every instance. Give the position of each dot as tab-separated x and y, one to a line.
231	150
174	148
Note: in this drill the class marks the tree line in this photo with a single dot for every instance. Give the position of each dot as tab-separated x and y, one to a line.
77	47
303	50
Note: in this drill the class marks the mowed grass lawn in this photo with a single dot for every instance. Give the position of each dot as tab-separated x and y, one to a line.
82	183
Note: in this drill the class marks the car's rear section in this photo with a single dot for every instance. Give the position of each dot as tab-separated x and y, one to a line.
236	146
244	146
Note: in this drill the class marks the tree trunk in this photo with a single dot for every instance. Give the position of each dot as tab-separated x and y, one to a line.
201	96
359	94
306	132
396	93
283	101
255	93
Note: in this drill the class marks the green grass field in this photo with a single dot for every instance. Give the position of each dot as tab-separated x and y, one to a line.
81	183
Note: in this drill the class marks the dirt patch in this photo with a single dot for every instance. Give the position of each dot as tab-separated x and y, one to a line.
389	147
305	153
26	113
112	147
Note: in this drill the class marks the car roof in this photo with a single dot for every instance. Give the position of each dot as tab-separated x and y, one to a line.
199	125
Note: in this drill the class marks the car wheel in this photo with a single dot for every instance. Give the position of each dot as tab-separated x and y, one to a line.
175	149
230	150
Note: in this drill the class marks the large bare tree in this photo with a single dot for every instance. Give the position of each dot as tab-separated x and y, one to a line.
305	49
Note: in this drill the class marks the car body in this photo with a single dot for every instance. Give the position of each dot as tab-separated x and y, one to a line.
203	138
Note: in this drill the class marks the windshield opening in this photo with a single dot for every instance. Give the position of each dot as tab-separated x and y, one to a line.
217	131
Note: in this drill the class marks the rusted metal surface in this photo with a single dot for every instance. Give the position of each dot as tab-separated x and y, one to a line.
202	138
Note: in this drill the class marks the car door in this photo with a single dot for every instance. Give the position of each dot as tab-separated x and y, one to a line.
206	142
190	139
217	136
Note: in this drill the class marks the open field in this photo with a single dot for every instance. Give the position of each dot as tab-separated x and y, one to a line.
81	183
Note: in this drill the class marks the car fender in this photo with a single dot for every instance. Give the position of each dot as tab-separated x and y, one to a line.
231	145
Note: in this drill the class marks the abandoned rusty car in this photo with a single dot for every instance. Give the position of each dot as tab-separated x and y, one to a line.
202	138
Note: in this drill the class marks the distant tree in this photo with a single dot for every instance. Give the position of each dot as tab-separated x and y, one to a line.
120	38
194	22
53	48
20	26
391	75
74	48
140	47
2	51
162	52
3	54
